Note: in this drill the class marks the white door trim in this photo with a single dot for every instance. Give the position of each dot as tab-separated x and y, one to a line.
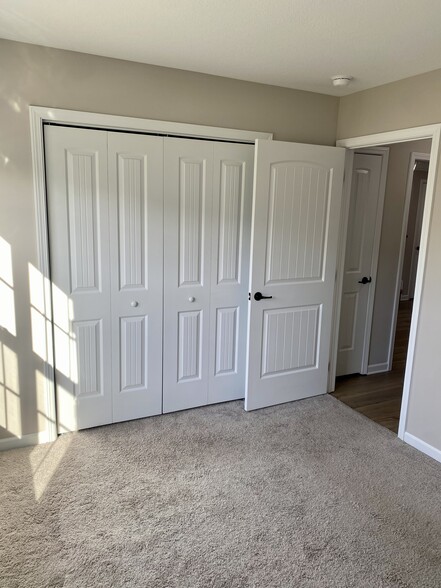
40	115
425	132
125	123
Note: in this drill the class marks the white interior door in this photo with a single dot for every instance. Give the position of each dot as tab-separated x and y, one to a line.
208	195
417	237
136	217
231	227
78	208
296	214
358	282
188	188
106	236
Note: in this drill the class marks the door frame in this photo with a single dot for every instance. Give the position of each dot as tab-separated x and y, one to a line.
40	115
432	132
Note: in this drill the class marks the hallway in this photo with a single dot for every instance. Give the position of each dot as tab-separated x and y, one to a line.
378	396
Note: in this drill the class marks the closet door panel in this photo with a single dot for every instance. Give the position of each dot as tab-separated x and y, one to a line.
77	192
231	227
136	217
187	261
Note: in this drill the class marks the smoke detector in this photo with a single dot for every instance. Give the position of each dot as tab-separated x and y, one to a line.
341	80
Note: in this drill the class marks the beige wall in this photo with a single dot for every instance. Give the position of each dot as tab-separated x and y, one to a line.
394	201
418	177
411	102
408	103
46	77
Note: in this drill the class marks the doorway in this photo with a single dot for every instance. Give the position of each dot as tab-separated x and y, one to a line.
375	387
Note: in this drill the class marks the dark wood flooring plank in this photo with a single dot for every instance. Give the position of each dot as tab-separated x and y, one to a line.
378	396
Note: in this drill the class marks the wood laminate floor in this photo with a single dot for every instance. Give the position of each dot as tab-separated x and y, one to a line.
379	396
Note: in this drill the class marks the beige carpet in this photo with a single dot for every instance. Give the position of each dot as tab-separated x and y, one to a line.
305	494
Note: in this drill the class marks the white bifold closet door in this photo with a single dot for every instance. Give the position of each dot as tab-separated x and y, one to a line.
105	224
207	198
150	249
136	270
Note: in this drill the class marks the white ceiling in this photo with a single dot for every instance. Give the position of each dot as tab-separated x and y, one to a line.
292	43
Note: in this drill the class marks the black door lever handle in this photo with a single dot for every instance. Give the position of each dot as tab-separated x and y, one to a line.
259	296
365	280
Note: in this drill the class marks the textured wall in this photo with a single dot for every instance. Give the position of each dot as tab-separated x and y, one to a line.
408	103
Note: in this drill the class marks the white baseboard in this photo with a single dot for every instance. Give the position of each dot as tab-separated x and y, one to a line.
377	368
423	446
25	441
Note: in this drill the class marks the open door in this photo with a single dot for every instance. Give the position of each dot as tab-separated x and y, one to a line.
359	271
296	217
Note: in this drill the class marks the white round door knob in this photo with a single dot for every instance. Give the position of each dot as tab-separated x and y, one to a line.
191	299
134	303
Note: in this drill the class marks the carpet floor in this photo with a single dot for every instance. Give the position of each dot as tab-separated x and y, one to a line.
307	494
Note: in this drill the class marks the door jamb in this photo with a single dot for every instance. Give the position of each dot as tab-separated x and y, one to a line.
411	134
40	115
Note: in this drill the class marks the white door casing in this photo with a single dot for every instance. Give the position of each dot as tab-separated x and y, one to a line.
136	215
295	224
354	331
79	247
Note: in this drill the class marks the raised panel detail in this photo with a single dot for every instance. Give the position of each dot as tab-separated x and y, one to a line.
290	339
189	345
132	194
133	348
230	220
226	340
82	195
357	220
191	207
297	222
346	337
88	337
